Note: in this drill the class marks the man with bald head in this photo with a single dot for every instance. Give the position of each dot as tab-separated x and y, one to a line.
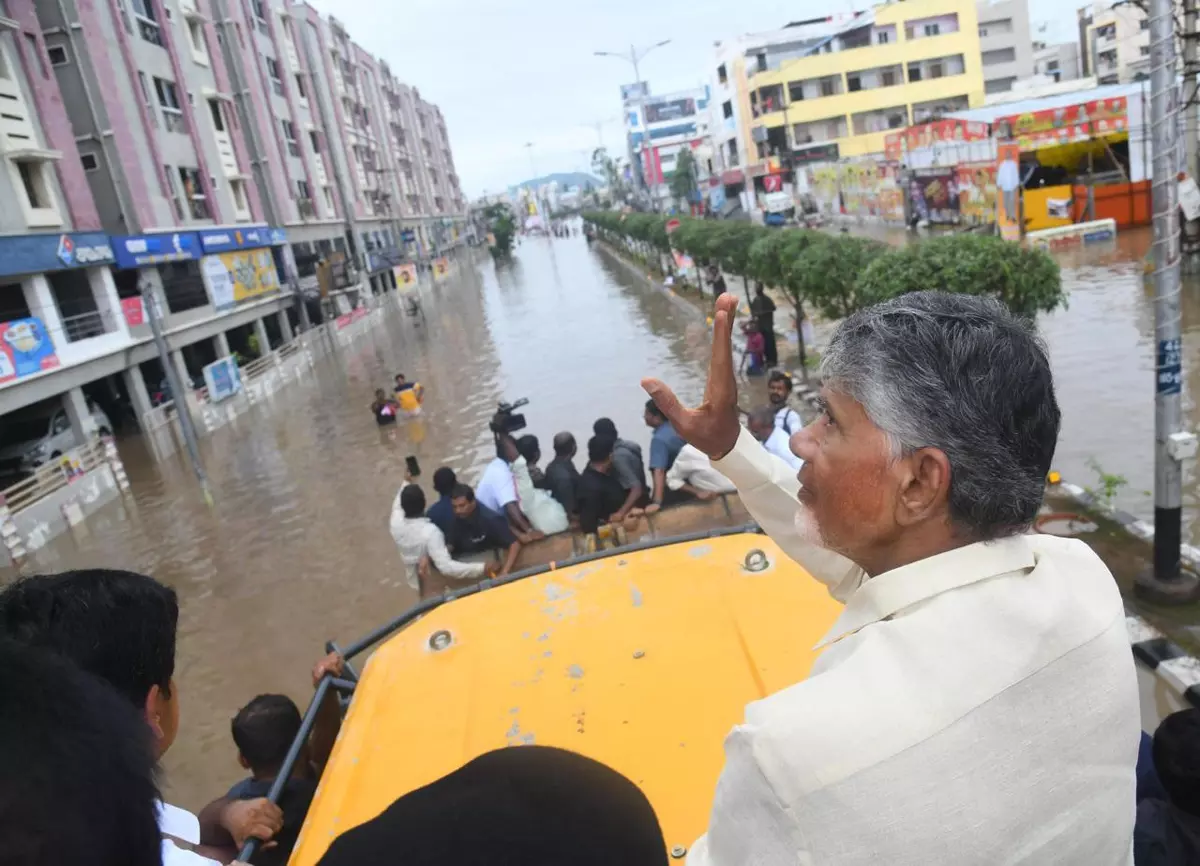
562	478
976	701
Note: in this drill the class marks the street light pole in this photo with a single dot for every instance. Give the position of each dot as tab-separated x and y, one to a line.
634	57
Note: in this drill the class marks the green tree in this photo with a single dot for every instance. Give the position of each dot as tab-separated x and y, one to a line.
503	228
683	179
827	269
607	168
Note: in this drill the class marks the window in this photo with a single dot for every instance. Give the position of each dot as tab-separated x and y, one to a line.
999	55
218	119
289	136
933	29
998	27
196	39
722	75
762	62
35	54
888	78
998	85
1144	24
193	193
237	188
853	83
273	73
914	72
883	37
260	15
935	70
727	108
143	11
1051	65
173	192
303	190
58	55
34	183
328	198
827	87
301	91
150	112
168	100
1144	50
90	163
315	140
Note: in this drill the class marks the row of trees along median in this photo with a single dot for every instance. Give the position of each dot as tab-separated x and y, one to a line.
837	274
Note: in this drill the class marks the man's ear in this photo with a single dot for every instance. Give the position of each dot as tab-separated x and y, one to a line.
925	487
242	762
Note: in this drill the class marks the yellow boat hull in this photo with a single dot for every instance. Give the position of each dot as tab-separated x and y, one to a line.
643	660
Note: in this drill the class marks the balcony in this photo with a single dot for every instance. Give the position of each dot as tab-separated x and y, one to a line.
198	207
306	208
149	31
173	120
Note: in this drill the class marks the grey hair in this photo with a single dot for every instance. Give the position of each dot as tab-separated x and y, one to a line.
966	376
764	415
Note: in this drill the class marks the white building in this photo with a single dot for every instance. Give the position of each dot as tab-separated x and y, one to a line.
659	128
1057	62
1005	43
1114	42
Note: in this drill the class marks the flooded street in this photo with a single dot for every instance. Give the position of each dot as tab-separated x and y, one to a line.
296	549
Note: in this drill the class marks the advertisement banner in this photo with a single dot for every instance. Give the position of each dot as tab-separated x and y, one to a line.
1034	130
976	192
675	109
406	275
25	349
933	196
239	276
441	268
891	196
928	134
134	311
223	379
136	251
1008	190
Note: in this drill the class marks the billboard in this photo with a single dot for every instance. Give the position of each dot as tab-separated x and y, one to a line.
1034	130
976	192
25	349
929	134
933	195
674	109
406	275
238	276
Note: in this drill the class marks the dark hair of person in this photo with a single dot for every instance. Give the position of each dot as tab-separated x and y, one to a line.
529	448
444	480
1177	758
653	409
412	500
780	376
600	448
77	785
564	445
263	731
763	416
605	427
117	625
463	491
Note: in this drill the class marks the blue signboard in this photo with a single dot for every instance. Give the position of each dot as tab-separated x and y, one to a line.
35	254
137	251
227	240
278	237
1170	366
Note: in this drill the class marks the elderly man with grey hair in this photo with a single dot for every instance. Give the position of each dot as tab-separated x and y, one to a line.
976	702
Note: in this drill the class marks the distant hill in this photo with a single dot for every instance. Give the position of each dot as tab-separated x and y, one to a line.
565	180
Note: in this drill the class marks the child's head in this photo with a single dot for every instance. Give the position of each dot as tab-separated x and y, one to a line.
263	730
1177	758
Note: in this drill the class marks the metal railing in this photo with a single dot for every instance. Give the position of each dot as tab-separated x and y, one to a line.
84	326
56	474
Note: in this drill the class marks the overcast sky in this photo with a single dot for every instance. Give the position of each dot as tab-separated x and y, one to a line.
507	72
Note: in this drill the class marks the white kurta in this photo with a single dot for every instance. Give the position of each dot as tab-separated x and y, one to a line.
976	707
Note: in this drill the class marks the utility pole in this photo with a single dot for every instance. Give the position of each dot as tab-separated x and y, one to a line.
150	298
1190	117
1166	583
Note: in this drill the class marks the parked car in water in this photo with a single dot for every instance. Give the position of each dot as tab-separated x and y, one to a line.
31	441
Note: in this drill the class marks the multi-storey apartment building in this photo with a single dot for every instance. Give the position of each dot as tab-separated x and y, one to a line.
200	155
1004	43
1114	42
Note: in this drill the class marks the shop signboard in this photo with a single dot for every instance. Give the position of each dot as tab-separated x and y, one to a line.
816	153
25	349
933	196
1051	127
239	276
224	240
34	254
138	251
134	311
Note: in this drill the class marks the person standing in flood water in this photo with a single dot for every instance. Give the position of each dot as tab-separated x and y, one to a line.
763	310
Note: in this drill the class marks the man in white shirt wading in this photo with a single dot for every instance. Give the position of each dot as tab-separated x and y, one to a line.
976	701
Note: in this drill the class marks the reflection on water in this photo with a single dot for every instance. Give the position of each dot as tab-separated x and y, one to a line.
296	549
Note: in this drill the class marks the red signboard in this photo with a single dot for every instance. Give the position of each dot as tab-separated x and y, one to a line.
1054	126
773	183
134	310
733	177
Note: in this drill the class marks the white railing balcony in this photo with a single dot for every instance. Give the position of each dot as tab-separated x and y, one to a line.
229	165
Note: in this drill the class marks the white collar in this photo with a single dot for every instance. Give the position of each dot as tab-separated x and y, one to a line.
178	823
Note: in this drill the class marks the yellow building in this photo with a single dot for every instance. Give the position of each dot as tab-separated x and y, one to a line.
838	92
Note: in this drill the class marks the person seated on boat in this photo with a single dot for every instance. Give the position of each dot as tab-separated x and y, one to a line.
628	466
497	489
1167	831
693	474
263	731
384	409
601	496
442	511
545	514
78	778
417	536
779	392
529	448
976	700
562	478
761	424
409	395
529	805
121	626
479	529
665	445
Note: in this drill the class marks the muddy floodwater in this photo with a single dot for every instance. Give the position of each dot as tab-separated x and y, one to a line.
296	550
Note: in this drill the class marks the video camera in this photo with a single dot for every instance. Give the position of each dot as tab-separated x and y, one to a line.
507	420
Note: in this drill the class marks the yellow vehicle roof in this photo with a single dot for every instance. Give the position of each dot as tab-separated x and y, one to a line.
642	660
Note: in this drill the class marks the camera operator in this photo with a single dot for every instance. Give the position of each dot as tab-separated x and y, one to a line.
497	488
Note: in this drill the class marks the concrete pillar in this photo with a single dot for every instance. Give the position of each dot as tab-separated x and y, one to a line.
40	301
139	395
222	343
285	325
79	415
264	342
182	369
104	290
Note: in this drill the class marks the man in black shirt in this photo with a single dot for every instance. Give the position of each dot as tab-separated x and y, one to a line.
562	476
478	529
601	495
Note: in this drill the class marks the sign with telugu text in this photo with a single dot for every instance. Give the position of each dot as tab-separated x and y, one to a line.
137	251
33	254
